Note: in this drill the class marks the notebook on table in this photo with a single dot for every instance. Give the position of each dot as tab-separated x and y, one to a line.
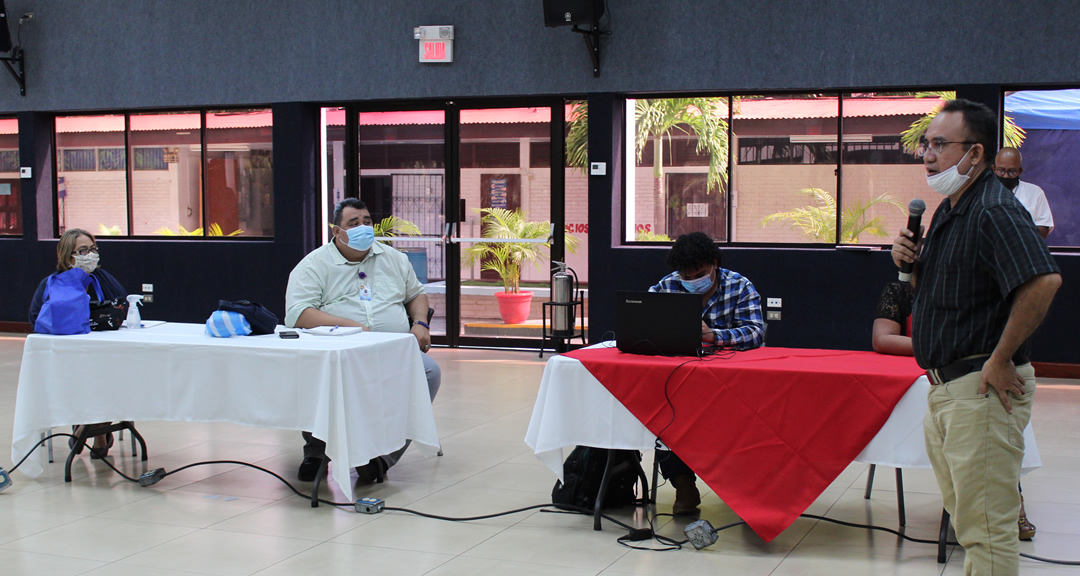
658	323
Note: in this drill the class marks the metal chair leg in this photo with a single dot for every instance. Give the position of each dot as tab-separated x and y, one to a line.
323	471
655	478
900	497
870	481
48	443
598	504
942	536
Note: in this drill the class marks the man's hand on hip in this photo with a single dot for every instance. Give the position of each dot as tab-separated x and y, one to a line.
1005	379
423	337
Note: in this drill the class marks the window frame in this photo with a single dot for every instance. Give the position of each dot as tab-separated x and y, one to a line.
17	190
129	169
841	94
1009	88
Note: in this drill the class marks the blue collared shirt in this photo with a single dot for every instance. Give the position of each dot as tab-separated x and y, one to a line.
733	311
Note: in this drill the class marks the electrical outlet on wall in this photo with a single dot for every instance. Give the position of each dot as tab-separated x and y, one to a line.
773	302
147	298
772	315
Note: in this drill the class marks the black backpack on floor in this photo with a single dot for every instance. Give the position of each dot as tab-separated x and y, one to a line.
584	470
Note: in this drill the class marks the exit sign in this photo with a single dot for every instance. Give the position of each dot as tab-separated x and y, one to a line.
436	43
436	50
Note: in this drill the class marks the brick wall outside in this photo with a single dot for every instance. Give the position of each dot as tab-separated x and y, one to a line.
95	199
155	200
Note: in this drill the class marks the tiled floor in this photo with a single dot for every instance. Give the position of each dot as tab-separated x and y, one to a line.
227	520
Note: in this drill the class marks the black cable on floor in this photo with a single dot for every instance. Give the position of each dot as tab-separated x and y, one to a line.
38	445
633	535
934	542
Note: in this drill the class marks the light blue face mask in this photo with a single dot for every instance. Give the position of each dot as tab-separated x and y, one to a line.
698	285
361	238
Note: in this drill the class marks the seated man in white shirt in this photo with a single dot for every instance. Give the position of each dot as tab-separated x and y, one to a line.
355	281
1007	167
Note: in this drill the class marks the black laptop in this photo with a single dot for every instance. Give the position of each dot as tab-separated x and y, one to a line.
660	323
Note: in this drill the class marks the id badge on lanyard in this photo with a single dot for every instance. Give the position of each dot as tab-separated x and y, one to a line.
365	286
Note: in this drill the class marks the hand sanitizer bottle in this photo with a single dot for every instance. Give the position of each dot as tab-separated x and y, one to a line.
134	320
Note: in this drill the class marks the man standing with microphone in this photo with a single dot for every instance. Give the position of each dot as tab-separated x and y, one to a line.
985	280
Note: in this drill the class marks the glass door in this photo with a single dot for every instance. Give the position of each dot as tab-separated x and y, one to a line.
507	228
401	176
469	195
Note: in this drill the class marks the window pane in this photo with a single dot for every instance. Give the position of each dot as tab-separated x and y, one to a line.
333	163
91	178
239	173
10	199
678	183
879	177
1045	126
166	179
577	203
577	187
783	176
496	173
402	181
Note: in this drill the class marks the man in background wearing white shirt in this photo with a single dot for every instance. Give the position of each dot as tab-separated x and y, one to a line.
356	281
1007	167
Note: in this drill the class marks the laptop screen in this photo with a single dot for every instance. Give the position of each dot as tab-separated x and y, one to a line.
659	323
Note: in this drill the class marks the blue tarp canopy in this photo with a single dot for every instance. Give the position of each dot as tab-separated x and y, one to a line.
1045	109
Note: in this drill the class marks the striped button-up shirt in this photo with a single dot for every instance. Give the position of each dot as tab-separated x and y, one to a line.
733	311
974	255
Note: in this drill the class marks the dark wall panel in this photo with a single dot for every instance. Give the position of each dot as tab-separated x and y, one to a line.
109	54
829	296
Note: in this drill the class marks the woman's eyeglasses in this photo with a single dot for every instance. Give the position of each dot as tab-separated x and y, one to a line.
85	250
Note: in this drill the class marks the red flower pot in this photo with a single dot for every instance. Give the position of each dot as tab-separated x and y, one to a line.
514	307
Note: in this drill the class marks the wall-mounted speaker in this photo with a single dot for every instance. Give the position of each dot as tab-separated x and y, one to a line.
572	12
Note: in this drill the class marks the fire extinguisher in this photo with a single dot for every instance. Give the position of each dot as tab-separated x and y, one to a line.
563	294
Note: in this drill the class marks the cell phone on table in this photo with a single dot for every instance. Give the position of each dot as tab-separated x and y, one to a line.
288	334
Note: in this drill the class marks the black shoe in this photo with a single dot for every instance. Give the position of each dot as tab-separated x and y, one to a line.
309	469
374	472
96	454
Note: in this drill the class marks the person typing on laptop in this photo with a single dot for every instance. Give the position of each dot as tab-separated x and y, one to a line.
730	318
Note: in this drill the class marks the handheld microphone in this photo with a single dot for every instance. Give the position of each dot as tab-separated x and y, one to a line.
914	223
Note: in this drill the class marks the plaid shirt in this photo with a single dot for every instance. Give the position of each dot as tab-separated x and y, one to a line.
974	256
733	311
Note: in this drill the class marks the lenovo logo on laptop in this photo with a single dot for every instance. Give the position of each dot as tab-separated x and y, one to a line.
658	323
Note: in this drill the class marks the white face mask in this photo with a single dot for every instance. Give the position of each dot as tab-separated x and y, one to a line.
88	263
948	182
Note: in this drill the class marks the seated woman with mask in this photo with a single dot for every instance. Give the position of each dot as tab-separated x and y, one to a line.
892	335
78	249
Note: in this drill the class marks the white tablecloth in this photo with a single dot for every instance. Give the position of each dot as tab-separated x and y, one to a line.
364	394
572	408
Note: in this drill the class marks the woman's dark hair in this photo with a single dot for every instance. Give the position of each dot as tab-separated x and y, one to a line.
347	203
693	250
981	124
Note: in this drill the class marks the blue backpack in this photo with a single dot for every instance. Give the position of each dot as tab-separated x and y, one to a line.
66	306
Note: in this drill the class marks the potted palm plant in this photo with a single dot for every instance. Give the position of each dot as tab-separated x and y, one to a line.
507	258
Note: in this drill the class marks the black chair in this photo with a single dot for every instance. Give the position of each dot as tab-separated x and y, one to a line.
88	431
900	511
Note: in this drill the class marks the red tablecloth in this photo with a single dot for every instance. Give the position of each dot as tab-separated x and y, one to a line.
768	429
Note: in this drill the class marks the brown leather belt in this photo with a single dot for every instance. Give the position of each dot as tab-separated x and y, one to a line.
961	367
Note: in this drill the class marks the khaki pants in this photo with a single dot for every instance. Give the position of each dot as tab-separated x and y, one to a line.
976	449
